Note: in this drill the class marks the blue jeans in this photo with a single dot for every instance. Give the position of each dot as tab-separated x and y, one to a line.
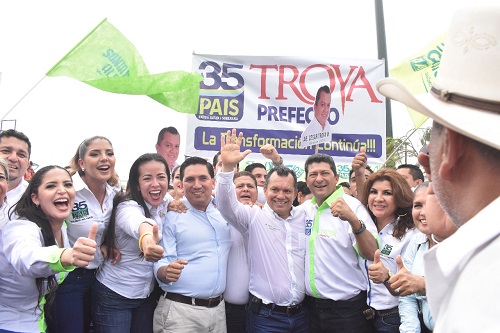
71	311
267	320
387	324
113	313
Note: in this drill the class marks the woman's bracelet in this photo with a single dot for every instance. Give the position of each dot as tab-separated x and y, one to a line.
142	236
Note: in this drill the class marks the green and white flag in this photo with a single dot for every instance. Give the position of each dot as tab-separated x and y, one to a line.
418	72
107	60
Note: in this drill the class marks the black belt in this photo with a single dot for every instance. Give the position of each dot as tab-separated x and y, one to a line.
236	306
287	310
388	312
209	303
322	303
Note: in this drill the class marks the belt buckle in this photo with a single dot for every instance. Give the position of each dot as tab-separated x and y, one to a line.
213	301
290	310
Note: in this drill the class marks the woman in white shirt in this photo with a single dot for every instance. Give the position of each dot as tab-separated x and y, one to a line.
389	200
35	251
124	297
95	182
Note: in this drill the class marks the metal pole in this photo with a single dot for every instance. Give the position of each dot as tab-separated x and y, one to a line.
382	54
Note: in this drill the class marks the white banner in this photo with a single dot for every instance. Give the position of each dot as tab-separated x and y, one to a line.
270	100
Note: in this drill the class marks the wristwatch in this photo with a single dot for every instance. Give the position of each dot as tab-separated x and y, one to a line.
279	163
363	228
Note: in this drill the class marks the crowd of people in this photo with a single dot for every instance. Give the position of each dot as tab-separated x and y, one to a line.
200	246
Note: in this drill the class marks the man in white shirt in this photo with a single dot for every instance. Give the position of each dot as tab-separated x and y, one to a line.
464	164
276	244
15	148
167	145
339	230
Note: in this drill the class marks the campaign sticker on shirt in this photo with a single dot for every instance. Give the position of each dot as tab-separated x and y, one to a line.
80	211
309	224
386	250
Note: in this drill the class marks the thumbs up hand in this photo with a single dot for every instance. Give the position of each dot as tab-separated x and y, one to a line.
377	272
83	251
152	251
360	160
406	283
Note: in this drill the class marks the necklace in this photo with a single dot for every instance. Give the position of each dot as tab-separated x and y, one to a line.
434	239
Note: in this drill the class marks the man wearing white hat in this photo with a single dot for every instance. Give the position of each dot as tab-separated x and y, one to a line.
462	273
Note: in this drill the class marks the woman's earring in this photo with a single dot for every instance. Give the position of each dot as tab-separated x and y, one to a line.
83	169
399	217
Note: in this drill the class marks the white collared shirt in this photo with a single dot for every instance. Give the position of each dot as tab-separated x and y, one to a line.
238	271
15	194
86	211
334	270
276	247
132	276
379	297
462	276
23	258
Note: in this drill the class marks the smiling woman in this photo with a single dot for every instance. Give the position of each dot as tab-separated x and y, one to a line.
36	251
389	200
93	170
125	294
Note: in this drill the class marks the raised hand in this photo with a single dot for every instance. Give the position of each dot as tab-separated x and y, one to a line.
230	150
339	208
270	152
174	270
360	160
152	251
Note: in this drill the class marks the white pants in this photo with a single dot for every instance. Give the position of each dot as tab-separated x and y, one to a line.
175	317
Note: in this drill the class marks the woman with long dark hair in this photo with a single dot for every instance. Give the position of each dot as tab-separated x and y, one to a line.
124	297
35	251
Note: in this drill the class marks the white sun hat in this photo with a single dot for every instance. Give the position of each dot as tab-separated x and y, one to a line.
465	95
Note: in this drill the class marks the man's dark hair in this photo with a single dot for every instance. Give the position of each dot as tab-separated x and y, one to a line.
282	172
216	157
414	170
195	161
303	188
243	174
324	89
253	166
319	158
170	129
18	135
345	184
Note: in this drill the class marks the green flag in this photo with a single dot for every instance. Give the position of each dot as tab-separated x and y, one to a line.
107	60
418	71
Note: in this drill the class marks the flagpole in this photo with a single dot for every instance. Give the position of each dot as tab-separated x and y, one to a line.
77	45
19	101
382	54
